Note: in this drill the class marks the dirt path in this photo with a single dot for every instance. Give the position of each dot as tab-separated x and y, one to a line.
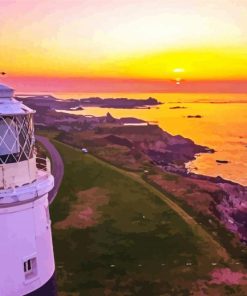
176	208
200	231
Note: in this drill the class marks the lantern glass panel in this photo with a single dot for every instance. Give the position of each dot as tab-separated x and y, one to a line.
16	138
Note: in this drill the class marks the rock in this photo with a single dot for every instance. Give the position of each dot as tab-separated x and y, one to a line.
194	116
178	107
109	118
222	161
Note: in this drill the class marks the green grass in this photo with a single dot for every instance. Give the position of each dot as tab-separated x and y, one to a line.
139	246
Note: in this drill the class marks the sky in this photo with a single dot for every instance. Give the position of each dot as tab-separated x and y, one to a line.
135	45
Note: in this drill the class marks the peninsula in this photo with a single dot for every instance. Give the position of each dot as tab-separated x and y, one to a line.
77	104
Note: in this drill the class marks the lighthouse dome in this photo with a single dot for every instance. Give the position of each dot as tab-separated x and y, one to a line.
10	106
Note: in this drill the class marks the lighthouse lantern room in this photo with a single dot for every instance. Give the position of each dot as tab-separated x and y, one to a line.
26	250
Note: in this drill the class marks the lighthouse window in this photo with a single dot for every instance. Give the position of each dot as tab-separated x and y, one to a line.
28	265
30	268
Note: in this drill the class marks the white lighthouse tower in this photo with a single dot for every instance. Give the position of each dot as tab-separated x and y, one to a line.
26	250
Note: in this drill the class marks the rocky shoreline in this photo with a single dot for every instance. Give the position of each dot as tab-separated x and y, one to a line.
229	203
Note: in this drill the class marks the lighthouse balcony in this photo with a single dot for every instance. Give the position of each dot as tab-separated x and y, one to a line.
25	172
25	181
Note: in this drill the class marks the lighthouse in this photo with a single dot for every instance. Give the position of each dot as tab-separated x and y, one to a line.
26	251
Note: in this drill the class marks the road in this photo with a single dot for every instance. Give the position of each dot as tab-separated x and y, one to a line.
57	166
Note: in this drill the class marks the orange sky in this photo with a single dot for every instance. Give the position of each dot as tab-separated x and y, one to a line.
60	44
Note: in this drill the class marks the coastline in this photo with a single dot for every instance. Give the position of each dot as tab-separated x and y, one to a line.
224	136
48	102
149	148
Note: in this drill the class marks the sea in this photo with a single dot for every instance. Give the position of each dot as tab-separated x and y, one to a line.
221	124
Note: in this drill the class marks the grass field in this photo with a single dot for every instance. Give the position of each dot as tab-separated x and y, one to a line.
114	235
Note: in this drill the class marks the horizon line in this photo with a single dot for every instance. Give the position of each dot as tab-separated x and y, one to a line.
103	84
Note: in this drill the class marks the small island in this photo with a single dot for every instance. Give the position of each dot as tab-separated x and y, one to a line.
194	116
177	107
222	161
121	103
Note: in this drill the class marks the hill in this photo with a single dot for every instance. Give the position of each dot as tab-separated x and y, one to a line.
115	235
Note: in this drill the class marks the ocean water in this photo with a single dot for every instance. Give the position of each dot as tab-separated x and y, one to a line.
222	126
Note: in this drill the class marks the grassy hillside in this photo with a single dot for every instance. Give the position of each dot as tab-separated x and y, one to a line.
114	236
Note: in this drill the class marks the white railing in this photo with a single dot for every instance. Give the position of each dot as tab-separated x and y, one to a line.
43	167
